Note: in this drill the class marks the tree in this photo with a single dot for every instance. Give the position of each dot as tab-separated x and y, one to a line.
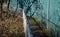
16	8
8	4
27	4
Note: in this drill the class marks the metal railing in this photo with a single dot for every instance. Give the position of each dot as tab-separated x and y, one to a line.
27	30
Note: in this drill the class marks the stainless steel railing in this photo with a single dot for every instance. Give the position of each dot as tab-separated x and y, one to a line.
27	30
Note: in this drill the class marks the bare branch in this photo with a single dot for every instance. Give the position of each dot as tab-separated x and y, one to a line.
28	8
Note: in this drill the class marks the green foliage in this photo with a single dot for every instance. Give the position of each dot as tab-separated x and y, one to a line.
36	20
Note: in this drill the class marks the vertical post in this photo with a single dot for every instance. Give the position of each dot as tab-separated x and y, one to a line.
25	24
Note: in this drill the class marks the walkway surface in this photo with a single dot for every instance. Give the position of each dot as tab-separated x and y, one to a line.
35	29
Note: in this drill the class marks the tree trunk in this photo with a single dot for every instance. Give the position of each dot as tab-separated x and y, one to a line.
8	4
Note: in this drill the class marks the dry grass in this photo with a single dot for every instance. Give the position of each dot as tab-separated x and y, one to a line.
11	26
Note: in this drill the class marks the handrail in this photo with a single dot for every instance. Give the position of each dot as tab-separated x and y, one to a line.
29	30
26	24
